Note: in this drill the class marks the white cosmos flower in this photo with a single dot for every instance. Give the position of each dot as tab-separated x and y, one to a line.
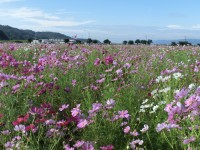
145	101
142	110
176	91
155	107
165	90
191	86
158	79
166	78
177	75
154	92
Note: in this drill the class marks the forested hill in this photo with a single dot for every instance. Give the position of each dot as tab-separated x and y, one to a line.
18	34
3	36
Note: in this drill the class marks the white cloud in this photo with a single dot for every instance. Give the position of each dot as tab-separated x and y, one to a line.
182	28
40	18
63	11
196	27
8	1
174	27
26	13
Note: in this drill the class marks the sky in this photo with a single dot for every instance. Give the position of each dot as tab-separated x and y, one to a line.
116	20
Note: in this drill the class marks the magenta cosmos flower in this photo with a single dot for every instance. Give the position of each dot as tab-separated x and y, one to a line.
108	60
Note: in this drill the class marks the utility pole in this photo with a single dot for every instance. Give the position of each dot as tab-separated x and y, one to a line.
146	38
35	35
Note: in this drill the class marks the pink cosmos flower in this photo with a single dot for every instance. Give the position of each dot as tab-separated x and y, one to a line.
21	119
12	47
134	143
127	65
73	82
63	107
95	107
124	123
1	115
78	144
166	126
35	110
97	62
88	146
184	92
108	60
5	132
82	123
9	145
93	87
20	128
76	111
100	80
134	133
30	127
67	147
127	129
196	69
108	147
110	104
62	123
67	89
119	72
168	108
16	88
50	122
190	100
123	114
191	139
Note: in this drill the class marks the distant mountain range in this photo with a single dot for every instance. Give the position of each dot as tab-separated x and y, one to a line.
168	42
18	34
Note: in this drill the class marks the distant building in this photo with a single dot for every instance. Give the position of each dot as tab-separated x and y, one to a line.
45	41
56	41
72	41
48	41
35	42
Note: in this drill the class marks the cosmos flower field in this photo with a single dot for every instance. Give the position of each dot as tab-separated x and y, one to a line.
102	97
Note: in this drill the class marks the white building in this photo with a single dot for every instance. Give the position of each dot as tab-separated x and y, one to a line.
48	41
35	42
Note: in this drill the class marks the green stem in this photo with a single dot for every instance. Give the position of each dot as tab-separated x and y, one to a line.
149	140
55	143
167	140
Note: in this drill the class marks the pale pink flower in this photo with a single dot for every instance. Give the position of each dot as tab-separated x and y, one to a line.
82	123
76	111
146	128
191	139
63	107
127	129
16	87
73	82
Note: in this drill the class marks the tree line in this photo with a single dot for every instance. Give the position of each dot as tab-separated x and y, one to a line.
107	41
91	41
138	41
181	43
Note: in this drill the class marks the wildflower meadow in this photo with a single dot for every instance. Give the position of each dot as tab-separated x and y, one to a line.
99	97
